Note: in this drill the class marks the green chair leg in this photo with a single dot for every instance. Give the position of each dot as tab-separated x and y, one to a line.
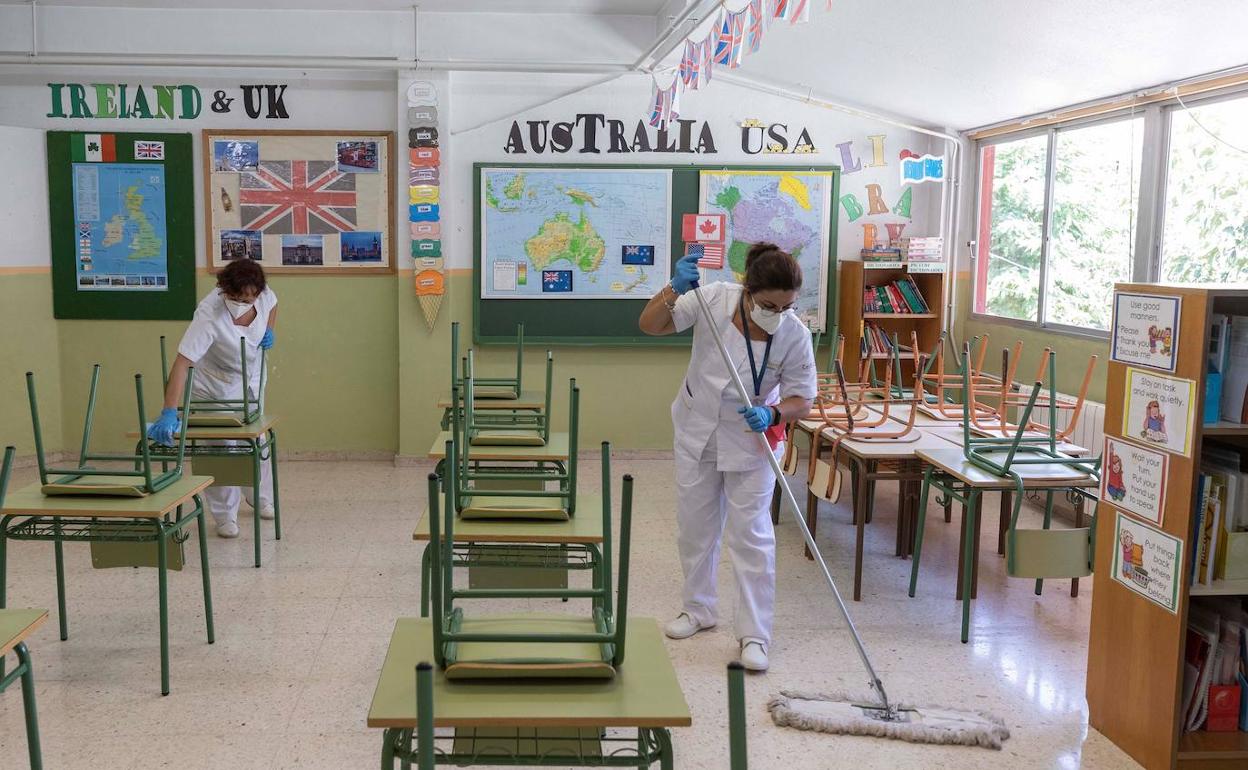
388	737
969	547
28	706
59	552
162	579
425	577
203	567
277	505
255	497
424	717
738	755
919	526
1048	522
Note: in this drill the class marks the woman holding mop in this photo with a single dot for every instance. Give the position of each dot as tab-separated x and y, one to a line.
241	305
723	480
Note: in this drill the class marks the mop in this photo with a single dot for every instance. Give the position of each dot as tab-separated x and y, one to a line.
838	712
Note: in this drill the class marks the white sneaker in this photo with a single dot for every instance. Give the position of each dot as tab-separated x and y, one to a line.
754	655
267	512
228	530
683	627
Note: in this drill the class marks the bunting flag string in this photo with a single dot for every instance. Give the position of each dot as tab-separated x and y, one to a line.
732	36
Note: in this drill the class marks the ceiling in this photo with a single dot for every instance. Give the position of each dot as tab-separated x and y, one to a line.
612	7
966	63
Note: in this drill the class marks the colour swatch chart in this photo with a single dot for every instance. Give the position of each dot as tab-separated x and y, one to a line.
425	197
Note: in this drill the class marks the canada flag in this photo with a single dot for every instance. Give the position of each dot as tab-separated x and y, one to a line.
703	228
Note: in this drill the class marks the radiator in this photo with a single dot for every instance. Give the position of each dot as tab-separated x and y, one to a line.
1090	432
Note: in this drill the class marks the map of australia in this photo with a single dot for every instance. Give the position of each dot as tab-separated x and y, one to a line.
583	233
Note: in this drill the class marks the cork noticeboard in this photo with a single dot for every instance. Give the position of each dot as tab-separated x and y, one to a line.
300	202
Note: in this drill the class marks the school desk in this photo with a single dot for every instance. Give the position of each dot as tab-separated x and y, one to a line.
535	722
15	627
157	518
953	473
529	401
233	465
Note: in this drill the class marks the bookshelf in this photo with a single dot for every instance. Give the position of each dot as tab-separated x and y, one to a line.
851	317
1136	648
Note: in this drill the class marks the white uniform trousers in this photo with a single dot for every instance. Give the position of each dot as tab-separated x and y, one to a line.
223	502
734	504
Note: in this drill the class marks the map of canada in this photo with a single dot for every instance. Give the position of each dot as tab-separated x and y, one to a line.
791	209
583	233
120	211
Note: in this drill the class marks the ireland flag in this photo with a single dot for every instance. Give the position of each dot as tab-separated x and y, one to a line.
93	148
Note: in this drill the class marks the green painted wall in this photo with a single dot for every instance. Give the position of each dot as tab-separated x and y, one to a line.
30	344
333	373
1072	350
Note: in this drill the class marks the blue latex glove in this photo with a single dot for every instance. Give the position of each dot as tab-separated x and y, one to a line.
163	429
686	276
757	417
266	341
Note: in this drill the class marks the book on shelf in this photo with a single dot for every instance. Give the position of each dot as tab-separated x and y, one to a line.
923	249
1220	531
1215	666
898	297
881	254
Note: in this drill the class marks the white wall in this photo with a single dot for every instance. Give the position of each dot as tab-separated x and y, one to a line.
24	200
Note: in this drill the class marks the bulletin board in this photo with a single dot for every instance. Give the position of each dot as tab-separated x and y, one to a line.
122	225
300	202
574	321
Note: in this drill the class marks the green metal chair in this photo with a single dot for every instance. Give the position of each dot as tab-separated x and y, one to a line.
529	646
489	491
501	427
491	387
226	412
738	756
1030	553
24	669
136	480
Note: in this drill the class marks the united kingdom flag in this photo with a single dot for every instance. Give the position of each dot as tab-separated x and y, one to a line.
297	196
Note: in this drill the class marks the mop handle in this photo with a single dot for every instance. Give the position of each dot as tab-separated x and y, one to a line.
792	501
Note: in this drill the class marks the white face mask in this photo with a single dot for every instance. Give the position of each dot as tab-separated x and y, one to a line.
767	320
237	309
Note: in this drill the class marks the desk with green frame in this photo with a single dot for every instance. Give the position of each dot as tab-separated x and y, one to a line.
545	723
554	453
233	464
142	531
15	627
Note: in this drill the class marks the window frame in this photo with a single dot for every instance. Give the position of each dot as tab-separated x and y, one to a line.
1051	132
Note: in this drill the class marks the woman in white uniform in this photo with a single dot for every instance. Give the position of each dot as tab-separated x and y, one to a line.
243	306
723	480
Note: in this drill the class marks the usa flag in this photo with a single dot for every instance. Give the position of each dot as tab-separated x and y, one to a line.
297	196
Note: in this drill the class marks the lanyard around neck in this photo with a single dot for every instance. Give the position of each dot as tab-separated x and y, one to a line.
755	373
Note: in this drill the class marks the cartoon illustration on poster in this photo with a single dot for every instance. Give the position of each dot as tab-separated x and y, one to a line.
1146	327
1160	410
1134	479
1147	561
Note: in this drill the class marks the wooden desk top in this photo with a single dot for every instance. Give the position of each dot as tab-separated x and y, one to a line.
953	434
256	429
529	400
30	501
584	527
556	449
16	625
644	692
1040	476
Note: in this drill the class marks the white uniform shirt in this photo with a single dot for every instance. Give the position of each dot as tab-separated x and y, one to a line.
708	401
211	341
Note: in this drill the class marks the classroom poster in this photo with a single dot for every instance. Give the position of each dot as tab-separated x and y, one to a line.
1146	330
1160	410
1133	478
1147	561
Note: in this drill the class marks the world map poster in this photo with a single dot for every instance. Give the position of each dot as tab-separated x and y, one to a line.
567	233
792	209
119	214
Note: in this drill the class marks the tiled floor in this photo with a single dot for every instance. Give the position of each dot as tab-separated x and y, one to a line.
300	641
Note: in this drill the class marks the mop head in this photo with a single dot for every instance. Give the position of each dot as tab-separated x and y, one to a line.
837	713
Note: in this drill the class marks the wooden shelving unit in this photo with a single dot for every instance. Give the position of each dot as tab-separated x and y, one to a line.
850	316
1136	650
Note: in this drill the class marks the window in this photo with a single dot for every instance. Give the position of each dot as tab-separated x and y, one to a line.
1206	198
1055	235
